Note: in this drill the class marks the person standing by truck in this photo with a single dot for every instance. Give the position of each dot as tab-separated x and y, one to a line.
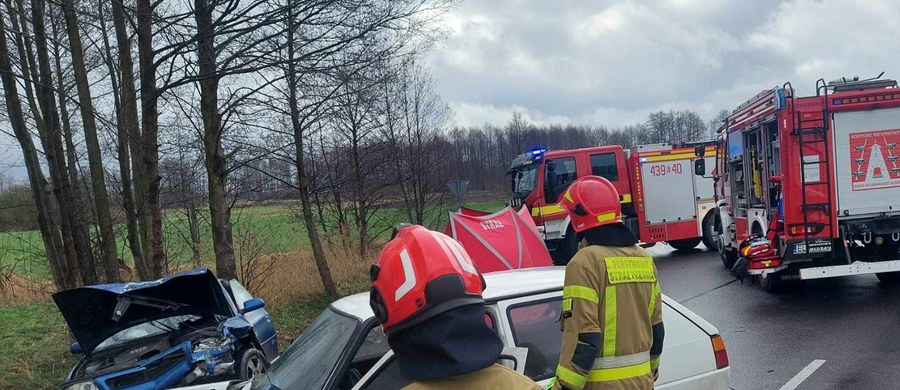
426	293
612	305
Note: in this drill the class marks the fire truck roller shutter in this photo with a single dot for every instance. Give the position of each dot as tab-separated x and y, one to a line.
867	154
669	191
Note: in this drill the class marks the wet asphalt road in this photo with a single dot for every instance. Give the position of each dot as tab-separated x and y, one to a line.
853	323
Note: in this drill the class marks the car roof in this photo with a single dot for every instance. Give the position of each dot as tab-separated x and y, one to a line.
500	285
512	283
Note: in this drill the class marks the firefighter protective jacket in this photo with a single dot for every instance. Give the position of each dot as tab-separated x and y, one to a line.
611	320
491	377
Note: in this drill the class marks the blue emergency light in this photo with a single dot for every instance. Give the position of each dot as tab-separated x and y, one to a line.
537	151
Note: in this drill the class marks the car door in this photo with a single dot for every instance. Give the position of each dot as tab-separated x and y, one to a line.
259	318
532	322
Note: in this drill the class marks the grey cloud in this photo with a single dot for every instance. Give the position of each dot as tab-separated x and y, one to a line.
611	63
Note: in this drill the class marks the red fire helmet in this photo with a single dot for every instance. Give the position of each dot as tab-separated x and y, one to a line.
419	274
592	201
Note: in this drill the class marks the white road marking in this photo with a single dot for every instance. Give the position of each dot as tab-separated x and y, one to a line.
803	375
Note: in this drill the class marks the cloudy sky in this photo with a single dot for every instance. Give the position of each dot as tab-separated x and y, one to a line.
613	62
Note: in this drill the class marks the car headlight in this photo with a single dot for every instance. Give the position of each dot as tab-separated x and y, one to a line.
86	385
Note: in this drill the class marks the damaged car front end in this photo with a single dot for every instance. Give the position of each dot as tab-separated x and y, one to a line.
180	330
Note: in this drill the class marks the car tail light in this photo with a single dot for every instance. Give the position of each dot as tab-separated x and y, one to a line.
719	349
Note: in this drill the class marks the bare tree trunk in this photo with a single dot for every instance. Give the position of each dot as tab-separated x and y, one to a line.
71	158
155	255
137	222
302	178
194	227
26	56
122	149
63	277
74	232
216	171
95	159
361	212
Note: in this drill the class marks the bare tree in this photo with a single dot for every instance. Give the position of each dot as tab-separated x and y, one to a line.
73	229
148	182
414	120
62	274
95	160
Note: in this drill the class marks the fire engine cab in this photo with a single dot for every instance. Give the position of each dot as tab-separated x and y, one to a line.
662	199
809	187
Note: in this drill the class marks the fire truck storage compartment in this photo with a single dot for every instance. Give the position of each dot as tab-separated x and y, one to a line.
867	150
668	191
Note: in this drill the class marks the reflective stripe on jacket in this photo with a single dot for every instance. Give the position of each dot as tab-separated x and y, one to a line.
611	302
491	377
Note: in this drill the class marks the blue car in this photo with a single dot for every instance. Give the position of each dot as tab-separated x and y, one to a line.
188	328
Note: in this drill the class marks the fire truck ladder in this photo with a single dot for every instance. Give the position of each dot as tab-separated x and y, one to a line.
808	134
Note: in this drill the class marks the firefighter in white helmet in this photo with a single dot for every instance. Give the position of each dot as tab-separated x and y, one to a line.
612	310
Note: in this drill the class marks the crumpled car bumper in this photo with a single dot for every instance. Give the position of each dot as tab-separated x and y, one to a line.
174	366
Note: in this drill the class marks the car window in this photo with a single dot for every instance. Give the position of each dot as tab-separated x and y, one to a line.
240	293
604	165
534	326
373	347
565	173
388	377
311	358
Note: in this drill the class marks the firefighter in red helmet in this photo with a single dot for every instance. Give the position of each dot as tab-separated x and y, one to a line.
612	310
426	293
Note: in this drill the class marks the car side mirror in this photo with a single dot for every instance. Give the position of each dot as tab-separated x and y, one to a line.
253	304
700	167
75	349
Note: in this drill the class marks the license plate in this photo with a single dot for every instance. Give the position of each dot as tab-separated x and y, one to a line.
816	246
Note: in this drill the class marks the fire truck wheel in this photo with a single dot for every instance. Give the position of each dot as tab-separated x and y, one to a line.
685	244
888	252
711	230
888	277
729	257
770	282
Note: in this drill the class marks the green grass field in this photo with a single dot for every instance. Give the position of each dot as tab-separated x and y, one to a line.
257	230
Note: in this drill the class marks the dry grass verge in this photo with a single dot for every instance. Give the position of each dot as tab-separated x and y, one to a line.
16	290
294	275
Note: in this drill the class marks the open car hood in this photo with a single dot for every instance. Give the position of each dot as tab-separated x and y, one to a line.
92	314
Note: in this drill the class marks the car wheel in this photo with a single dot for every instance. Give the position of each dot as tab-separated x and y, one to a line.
685	244
252	363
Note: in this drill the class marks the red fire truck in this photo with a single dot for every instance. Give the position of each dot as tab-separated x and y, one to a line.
815	179
662	200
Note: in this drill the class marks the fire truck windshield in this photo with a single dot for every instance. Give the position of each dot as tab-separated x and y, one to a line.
525	180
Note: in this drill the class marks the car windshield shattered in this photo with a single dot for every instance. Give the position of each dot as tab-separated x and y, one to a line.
146	329
310	359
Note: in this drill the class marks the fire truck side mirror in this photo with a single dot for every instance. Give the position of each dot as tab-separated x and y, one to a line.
700	167
551	183
700	150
